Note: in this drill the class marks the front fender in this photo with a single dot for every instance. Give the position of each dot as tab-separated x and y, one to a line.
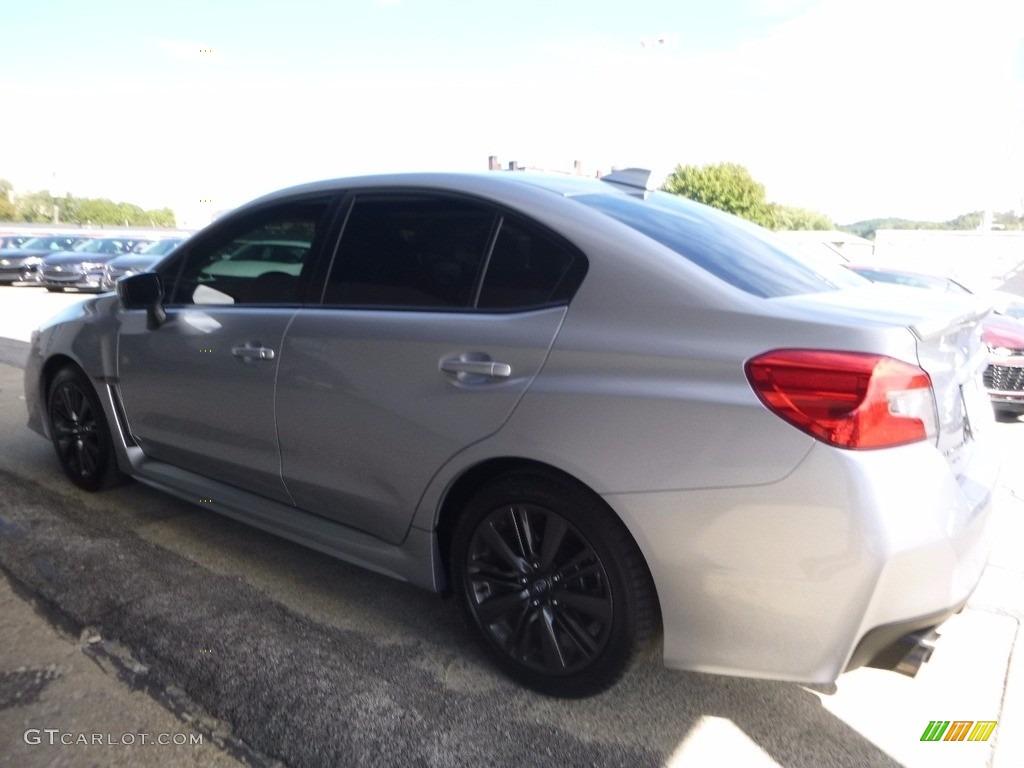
84	334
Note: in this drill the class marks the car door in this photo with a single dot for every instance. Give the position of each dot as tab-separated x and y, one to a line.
413	355
199	390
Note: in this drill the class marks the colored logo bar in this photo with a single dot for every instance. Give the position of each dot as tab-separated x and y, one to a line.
959	730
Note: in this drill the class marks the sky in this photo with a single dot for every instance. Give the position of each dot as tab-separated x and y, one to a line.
854	108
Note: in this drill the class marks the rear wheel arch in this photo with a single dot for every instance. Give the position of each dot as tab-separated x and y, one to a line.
474	479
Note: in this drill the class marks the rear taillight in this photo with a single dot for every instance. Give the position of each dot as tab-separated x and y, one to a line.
846	399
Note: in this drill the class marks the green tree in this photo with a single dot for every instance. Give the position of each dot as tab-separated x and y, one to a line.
8	211
35	206
161	217
726	186
791	217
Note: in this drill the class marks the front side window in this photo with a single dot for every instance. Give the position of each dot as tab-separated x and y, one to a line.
256	261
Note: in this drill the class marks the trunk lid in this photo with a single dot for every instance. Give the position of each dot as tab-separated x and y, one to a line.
946	331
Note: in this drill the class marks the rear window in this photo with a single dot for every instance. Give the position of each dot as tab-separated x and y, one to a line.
738	252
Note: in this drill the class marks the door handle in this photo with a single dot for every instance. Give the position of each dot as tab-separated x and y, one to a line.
256	352
489	368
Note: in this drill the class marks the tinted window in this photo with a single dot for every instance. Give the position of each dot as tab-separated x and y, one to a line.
160	247
257	261
410	252
102	246
528	268
52	243
740	253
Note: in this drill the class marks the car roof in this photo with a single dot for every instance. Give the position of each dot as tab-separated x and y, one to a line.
488	182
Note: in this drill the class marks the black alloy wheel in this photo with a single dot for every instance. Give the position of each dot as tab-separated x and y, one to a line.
554	584
80	433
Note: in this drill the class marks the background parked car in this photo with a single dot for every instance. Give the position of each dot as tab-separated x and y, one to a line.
1002	332
13	241
140	261
83	266
909	279
1009	304
21	264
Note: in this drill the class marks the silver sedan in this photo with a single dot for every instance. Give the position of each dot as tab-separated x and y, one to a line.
592	411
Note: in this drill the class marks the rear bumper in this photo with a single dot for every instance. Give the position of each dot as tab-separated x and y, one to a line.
19	274
788	580
885	647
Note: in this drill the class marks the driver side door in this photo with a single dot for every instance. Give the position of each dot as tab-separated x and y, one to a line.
199	390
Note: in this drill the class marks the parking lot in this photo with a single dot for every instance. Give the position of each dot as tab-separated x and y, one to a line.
282	654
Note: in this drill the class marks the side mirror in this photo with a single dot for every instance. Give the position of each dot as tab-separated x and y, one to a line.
144	290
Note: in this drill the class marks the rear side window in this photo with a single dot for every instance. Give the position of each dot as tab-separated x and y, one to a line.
529	268
410	251
443	252
740	253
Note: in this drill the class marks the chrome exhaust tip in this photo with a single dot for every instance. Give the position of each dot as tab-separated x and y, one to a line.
921	646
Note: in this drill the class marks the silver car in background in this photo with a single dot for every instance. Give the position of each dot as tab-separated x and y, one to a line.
145	259
83	266
589	410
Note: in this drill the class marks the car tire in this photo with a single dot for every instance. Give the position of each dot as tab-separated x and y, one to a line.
553	583
1008	415
80	433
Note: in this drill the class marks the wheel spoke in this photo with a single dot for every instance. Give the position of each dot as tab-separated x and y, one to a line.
81	458
597	607
502	549
577	634
524	535
69	407
553	658
499	607
500	580
574	569
62	430
554	534
85	414
90	456
518	642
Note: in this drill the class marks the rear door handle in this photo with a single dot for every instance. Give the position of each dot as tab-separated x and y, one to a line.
490	368
253	353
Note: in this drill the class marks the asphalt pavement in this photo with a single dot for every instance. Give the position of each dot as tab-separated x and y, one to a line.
131	613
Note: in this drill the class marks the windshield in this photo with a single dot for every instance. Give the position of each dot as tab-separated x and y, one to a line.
100	246
47	243
160	247
742	254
